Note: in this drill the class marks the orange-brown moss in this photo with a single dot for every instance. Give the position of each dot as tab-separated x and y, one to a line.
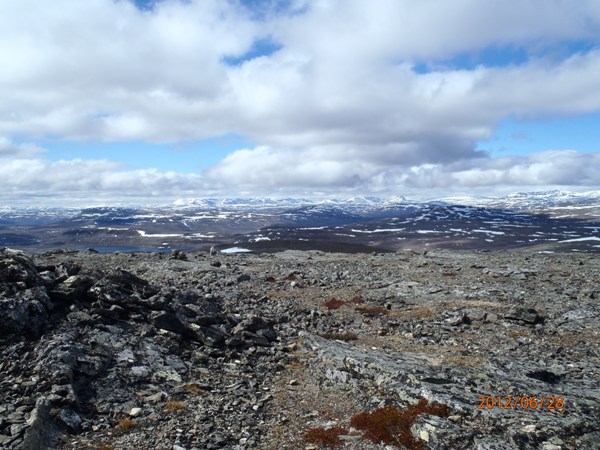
328	437
357	300
334	304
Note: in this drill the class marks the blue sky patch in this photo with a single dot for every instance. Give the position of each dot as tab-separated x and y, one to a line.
145	5
514	137
502	56
185	156
263	9
262	47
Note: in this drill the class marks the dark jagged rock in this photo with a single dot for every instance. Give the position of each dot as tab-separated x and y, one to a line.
17	267
67	269
242	278
526	315
168	321
69	420
252	324
544	375
73	288
25	312
42	432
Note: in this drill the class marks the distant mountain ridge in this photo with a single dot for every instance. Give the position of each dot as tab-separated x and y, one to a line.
517	200
549	220
533	200
281	202
530	200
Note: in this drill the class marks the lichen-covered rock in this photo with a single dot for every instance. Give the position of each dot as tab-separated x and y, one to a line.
42	433
25	312
525	315
72	288
17	266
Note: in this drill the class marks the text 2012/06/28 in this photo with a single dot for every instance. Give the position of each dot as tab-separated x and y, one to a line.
521	402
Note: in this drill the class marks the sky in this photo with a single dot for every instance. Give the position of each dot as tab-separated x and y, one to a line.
121	101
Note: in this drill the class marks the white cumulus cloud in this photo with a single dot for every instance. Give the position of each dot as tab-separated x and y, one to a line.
339	104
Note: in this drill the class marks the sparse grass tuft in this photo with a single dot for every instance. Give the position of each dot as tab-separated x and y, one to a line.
278	430
327	437
515	334
126	424
392	426
372	310
295	365
418	312
193	388
465	360
348	336
173	405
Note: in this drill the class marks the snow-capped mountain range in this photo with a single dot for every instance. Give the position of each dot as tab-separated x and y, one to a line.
548	221
515	201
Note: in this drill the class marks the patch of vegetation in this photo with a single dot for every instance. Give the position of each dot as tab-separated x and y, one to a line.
357	300
126	424
348	336
334	304
327	437
94	445
418	312
193	388
337	304
389	425
173	405
515	334
375	311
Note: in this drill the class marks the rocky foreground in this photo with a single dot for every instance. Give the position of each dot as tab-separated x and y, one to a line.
300	350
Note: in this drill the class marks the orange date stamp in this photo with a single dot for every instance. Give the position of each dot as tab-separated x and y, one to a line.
521	402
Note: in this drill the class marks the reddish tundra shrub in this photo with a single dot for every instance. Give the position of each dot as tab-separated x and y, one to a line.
392	426
327	437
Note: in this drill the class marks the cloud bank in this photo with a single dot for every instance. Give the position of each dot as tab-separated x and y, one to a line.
338	104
